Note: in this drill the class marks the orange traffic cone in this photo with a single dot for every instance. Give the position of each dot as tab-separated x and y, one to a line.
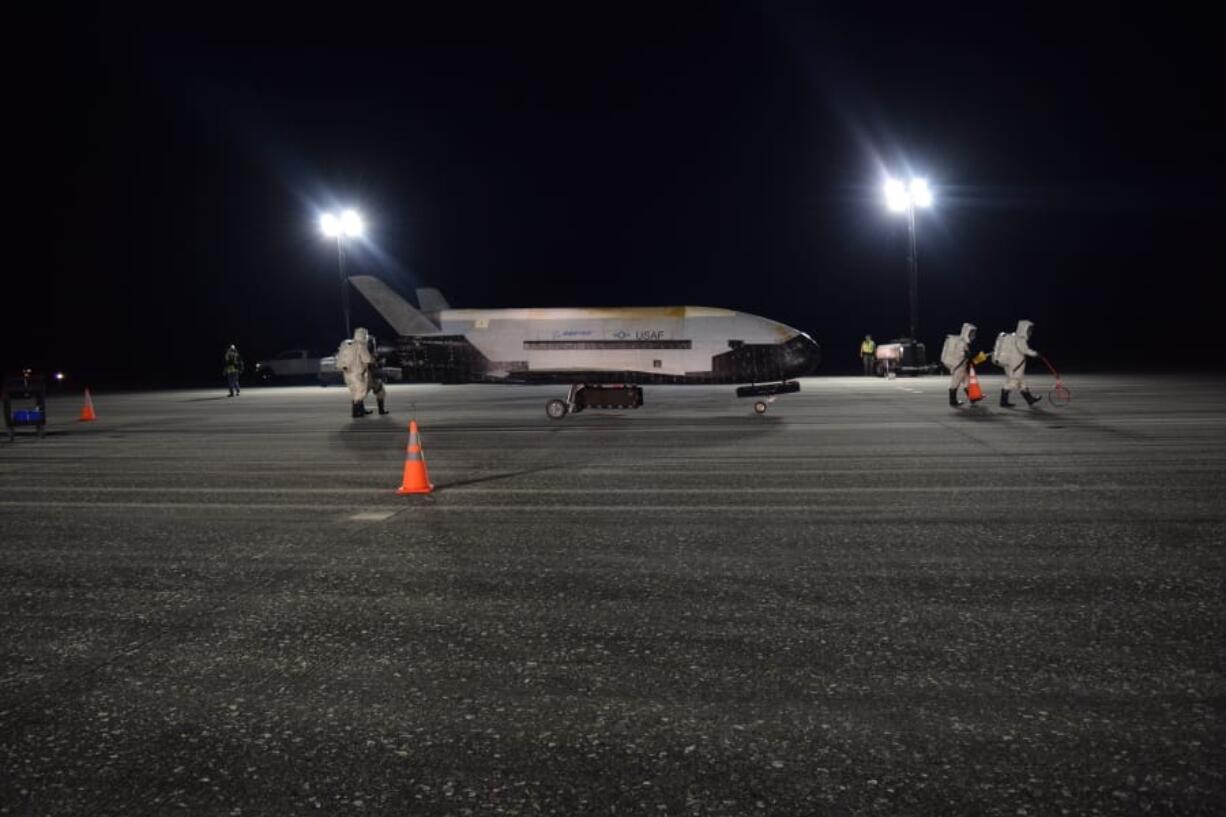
87	411
416	480
973	392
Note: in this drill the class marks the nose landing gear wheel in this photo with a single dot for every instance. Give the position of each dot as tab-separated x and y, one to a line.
760	407
556	409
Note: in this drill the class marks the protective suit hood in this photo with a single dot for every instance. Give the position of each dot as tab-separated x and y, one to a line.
360	335
968	332
1023	329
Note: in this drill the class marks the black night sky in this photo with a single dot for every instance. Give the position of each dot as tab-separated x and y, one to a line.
169	168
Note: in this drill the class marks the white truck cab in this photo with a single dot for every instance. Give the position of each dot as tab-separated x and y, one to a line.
292	363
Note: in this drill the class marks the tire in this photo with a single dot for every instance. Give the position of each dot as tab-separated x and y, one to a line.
555	409
759	407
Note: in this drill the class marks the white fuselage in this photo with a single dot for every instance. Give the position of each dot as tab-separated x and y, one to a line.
671	341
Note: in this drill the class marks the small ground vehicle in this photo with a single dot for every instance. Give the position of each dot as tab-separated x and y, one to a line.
603	396
904	356
889	357
290	364
25	403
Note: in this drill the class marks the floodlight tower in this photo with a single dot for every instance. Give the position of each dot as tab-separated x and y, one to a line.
901	198
346	225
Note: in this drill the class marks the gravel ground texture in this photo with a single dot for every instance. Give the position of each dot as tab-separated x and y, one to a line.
861	602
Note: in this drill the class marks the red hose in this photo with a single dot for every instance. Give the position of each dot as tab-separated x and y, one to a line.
1059	394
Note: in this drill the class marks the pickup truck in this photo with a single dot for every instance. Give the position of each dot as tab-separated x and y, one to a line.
293	364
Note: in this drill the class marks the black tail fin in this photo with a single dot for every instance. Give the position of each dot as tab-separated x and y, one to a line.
431	301
398	312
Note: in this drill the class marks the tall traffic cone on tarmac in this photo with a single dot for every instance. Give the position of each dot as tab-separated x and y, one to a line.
416	480
87	411
973	392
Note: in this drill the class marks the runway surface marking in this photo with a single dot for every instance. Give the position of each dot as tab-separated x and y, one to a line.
602	489
722	507
870	509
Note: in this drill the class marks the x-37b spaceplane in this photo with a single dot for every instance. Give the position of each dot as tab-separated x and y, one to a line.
605	355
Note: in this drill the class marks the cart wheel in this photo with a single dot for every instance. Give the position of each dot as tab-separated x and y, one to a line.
759	407
1060	395
556	409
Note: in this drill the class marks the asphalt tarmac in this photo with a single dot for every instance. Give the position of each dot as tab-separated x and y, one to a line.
862	602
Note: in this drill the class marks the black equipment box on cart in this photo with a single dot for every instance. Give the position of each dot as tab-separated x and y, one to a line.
25	404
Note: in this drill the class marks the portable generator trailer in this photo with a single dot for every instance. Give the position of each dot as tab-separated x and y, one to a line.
904	356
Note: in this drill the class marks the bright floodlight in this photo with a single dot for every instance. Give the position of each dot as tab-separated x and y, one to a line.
329	225
921	195
896	197
899	198
352	223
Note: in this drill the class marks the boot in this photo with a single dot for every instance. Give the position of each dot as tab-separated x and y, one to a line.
382	408
1030	398
954	402
1004	399
359	409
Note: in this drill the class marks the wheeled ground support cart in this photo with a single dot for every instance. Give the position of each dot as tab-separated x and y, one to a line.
595	397
25	404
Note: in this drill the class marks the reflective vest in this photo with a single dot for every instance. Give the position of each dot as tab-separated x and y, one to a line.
868	347
234	363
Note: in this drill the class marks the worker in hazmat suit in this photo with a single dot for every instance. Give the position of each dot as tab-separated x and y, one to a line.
374	383
958	357
356	360
1012	351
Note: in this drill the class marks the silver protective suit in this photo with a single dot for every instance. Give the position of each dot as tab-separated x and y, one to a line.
1015	351
356	363
958	375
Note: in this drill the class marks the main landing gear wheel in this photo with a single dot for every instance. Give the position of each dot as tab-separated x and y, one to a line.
556	409
769	392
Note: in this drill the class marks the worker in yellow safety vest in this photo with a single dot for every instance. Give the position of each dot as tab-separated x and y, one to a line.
868	354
